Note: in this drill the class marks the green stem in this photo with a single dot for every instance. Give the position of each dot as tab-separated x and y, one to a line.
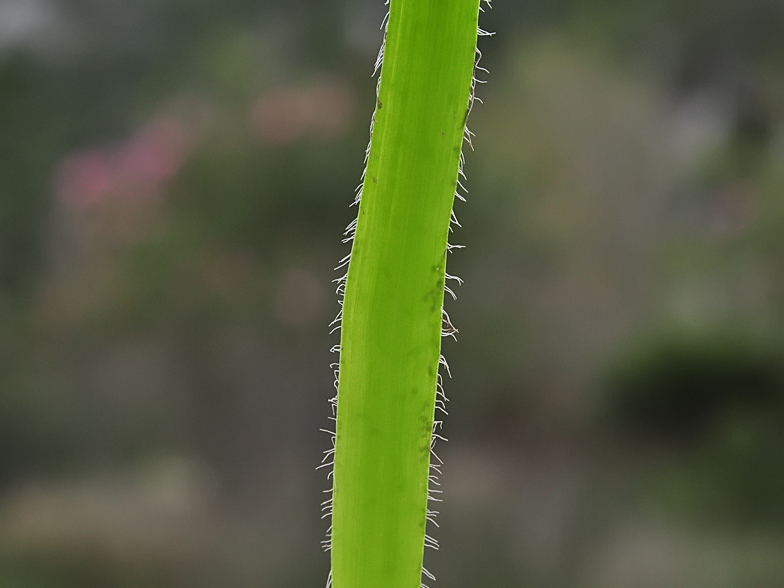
392	321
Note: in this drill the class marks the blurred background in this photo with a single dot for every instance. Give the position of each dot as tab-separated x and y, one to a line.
174	181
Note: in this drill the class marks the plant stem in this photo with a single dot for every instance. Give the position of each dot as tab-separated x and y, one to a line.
391	323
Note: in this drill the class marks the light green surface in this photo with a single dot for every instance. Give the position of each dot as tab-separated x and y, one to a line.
391	333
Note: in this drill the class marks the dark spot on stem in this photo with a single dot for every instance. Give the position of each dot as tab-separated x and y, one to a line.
375	181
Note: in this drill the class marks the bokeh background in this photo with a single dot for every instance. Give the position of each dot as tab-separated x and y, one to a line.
174	180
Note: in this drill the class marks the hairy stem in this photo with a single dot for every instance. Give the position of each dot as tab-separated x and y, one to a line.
391	323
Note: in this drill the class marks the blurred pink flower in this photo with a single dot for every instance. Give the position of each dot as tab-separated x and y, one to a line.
83	179
132	171
155	154
284	115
